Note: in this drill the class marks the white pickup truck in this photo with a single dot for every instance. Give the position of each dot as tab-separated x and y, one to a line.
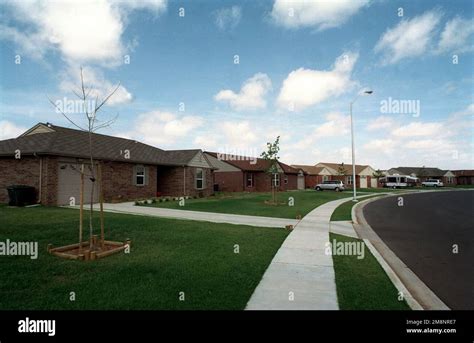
432	183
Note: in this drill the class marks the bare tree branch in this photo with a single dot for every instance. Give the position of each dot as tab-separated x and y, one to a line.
107	98
64	114
82	86
106	124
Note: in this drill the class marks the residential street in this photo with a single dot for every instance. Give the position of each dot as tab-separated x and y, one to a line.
422	234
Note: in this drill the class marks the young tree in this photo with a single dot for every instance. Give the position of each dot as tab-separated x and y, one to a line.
271	155
87	96
377	175
341	169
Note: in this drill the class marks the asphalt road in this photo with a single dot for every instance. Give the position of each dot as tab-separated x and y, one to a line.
422	233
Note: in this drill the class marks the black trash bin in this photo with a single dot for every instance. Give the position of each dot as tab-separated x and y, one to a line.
21	195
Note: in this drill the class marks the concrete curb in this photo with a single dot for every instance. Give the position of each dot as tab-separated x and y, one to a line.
417	294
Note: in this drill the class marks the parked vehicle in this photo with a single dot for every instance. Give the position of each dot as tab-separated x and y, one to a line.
432	183
337	186
398	181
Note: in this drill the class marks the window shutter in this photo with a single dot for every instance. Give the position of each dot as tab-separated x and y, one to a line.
134	173
204	174
146	175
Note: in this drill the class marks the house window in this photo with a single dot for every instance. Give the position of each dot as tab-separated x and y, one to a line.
249	180
349	180
286	180
325	178
199	179
276	180
140	175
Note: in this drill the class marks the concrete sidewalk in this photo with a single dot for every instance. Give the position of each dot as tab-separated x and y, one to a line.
130	208
343	227
301	275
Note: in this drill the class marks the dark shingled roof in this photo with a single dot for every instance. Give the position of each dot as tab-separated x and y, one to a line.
416	170
75	143
246	163
310	170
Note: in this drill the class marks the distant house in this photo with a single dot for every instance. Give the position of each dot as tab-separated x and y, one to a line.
364	174
247	174
464	177
424	173
50	157
314	175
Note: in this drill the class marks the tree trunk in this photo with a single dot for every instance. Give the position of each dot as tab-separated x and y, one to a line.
92	189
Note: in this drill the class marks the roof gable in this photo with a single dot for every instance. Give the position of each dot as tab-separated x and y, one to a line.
199	160
334	168
219	165
38	128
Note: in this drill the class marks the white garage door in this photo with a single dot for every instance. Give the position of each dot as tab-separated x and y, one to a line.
69	183
363	182
373	183
300	181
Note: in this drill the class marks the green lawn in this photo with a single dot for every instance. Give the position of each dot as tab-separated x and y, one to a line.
167	257
254	203
344	211
362	283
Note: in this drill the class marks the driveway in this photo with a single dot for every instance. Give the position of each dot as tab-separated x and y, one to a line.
422	233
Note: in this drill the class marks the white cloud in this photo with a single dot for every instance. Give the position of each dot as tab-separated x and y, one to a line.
336	124
416	129
100	86
251	95
381	145
382	122
455	36
306	87
163	129
82	31
321	14
156	6
10	130
206	142
238	134
435	145
447	144
228	18
30	44
410	38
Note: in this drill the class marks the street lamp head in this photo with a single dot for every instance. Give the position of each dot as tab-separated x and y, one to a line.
368	92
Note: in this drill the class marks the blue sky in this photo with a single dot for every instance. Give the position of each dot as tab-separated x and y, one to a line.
300	65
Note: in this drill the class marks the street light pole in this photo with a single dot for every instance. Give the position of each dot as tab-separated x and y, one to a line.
354	183
354	194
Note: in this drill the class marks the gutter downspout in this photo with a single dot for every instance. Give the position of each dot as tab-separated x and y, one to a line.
40	181
184	180
40	177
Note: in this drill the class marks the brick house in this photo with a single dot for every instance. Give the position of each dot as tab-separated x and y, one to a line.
49	158
364	174
245	174
314	175
464	177
424	173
